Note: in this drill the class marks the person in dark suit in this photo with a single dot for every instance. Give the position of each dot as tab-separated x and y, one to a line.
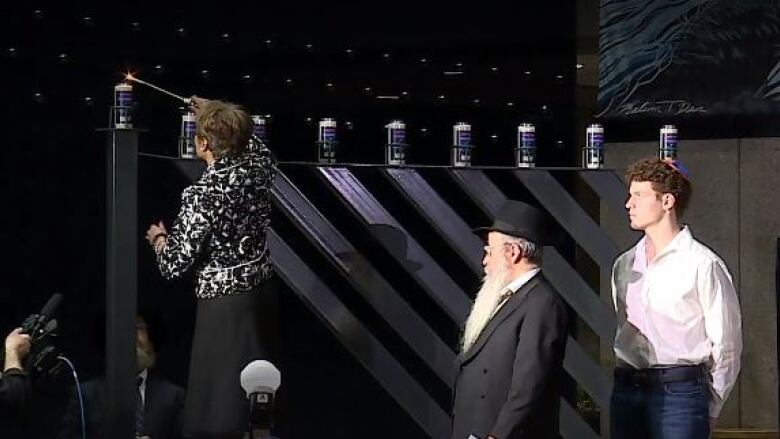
510	366
15	392
159	403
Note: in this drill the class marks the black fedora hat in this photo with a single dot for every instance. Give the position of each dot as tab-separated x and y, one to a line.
516	218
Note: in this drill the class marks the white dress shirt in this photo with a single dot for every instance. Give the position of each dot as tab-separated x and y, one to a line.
680	308
142	387
515	285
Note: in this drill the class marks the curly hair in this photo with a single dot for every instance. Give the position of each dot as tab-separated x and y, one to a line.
226	126
665	179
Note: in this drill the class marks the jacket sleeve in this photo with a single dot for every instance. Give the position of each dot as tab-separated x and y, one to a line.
189	233
723	323
539	353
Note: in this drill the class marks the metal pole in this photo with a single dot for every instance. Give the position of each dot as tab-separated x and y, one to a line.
121	282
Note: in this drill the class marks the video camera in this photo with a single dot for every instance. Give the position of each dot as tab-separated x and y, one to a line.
43	359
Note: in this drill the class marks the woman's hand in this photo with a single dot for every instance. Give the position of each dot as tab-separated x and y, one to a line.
197	103
156	234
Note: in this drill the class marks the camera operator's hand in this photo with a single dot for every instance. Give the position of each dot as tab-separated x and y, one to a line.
17	346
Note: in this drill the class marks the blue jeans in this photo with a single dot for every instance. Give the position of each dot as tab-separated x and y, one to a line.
652	407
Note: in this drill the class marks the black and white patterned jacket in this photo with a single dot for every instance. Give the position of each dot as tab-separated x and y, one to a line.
222	225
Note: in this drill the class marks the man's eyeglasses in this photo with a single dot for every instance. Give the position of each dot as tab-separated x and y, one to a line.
489	248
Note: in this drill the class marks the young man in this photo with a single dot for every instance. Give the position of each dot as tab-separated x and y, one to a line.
511	362
679	338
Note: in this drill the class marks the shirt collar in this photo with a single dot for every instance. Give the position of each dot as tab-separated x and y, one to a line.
681	241
521	280
143	374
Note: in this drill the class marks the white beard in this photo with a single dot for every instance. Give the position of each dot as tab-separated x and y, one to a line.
488	298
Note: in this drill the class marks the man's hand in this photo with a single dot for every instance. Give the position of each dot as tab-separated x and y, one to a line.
17	346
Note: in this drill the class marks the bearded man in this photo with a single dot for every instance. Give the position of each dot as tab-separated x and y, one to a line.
510	365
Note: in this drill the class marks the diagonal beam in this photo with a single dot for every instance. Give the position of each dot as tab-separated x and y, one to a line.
367	280
577	293
443	218
565	209
572	425
608	186
588	373
358	339
436	282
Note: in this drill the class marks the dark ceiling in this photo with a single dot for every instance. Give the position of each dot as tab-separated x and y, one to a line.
361	62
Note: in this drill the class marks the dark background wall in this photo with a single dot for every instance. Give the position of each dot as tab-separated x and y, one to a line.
58	68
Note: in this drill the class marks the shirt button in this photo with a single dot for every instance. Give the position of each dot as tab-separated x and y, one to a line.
482	396
484	371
